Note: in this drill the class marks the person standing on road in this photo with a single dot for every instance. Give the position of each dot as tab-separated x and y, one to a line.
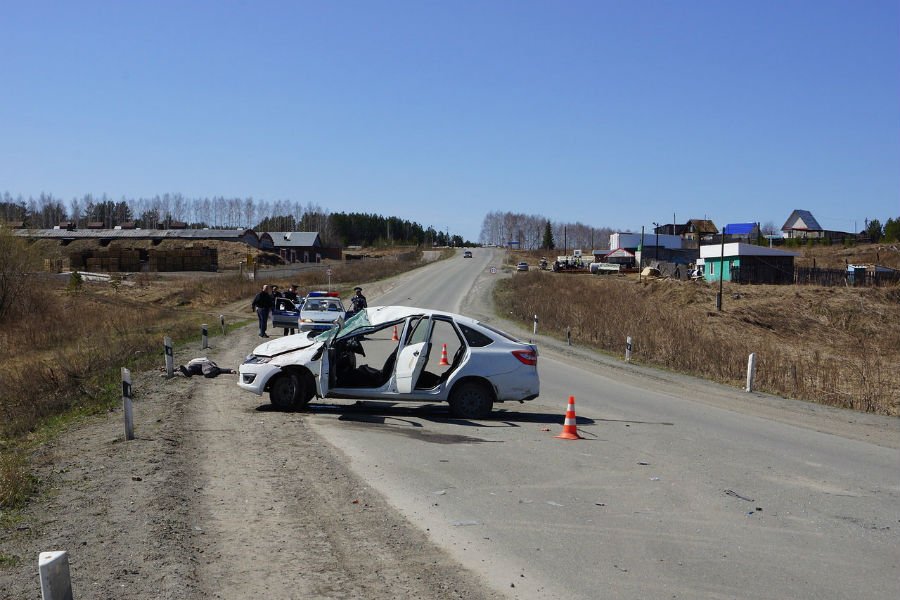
291	295
262	304
358	301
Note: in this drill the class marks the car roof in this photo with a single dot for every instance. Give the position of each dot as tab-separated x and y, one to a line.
378	315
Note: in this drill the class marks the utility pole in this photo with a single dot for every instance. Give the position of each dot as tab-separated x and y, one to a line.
641	262
721	271
656	247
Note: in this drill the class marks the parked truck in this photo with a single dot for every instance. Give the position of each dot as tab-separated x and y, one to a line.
569	262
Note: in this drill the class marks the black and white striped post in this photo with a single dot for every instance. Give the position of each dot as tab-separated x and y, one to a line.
53	568
170	357
204	337
126	404
751	371
569	335
628	348
222	323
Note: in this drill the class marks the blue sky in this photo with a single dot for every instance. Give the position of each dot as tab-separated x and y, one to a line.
615	114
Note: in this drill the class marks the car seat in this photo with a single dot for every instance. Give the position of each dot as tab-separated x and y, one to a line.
388	367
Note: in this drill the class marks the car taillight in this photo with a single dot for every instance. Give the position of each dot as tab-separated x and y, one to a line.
526	357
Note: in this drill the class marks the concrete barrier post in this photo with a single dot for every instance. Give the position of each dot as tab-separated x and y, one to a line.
204	337
628	347
126	404
170	357
751	371
53	568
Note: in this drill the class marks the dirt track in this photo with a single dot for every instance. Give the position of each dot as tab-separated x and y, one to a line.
217	497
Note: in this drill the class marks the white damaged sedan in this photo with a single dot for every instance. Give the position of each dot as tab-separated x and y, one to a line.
397	353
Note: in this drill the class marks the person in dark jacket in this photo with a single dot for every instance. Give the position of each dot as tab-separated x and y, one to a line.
203	366
262	304
290	294
358	301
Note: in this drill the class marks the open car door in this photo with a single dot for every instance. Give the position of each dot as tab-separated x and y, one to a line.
324	372
409	366
413	356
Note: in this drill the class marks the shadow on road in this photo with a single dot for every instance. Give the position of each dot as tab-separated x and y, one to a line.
376	412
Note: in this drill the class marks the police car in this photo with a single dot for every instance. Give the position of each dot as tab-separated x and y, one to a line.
321	311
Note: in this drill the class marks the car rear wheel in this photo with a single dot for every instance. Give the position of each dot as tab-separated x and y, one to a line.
288	392
471	400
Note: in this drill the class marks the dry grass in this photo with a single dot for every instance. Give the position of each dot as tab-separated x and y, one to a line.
835	346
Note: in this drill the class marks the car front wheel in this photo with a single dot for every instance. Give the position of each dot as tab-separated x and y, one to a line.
471	400
288	392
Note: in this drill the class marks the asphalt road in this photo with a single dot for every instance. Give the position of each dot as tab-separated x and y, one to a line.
680	489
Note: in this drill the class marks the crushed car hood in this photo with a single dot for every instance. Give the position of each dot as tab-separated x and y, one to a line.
288	343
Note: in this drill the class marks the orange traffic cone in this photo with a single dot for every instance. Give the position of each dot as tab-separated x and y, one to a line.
444	362
394	337
570	431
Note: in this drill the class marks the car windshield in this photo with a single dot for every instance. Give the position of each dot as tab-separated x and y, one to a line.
314	305
354	323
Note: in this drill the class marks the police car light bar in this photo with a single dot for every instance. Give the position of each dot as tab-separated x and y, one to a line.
323	295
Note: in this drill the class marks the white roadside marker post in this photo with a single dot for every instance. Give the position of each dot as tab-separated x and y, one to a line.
126	404
628	347
222	322
170	357
751	371
53	568
534	331
569	335
204	337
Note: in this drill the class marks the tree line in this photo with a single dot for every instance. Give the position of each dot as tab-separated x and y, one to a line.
218	212
533	232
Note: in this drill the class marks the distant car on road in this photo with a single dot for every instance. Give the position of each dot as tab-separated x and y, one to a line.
522	266
437	357
467	254
321	311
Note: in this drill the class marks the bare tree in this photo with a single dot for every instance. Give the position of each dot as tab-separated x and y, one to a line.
249	212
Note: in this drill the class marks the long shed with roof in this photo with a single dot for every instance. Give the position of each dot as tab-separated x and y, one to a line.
297	246
746	263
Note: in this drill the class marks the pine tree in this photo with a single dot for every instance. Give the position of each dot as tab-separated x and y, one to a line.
547	243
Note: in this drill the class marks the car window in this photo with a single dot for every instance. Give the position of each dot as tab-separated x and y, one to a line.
500	333
418	331
446	346
334	307
474	338
313	305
